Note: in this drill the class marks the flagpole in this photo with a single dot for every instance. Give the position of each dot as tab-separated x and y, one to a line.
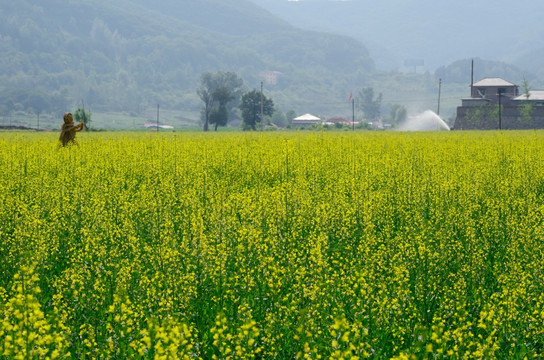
353	113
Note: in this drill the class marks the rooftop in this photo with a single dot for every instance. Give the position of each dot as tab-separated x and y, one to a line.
307	117
493	82
534	95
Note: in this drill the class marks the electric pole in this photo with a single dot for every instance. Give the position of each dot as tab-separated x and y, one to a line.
353	114
471	77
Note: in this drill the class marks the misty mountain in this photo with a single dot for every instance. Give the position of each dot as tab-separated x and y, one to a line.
438	32
533	60
132	54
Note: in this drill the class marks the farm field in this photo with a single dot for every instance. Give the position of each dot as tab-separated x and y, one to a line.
330	245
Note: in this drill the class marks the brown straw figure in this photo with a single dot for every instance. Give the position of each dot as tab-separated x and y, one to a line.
68	131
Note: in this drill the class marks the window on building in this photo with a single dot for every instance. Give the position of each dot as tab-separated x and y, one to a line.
502	91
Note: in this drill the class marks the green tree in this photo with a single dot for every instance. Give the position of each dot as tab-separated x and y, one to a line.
205	92
526	108
251	109
83	116
220	116
235	86
222	87
526	88
368	105
289	116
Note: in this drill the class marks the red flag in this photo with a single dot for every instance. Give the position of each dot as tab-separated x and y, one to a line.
350	95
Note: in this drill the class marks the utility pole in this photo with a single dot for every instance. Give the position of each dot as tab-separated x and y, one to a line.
38	120
439	90
471	77
353	113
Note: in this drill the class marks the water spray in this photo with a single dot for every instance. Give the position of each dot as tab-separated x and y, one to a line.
426	121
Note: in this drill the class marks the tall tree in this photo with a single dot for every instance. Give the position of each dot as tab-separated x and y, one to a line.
83	116
222	87
234	84
526	108
205	92
368	105
526	87
220	115
251	109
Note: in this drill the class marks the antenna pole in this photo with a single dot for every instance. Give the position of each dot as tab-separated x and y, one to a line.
353	113
471	77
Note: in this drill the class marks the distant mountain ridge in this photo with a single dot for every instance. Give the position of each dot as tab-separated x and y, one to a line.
439	32
238	17
129	54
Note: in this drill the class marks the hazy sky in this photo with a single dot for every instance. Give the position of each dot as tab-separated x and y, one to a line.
437	31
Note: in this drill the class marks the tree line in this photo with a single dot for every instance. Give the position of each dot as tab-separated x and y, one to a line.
225	96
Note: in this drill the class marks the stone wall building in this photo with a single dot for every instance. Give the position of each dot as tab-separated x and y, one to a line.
496	104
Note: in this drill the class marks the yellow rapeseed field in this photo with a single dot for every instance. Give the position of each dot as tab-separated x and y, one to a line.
272	246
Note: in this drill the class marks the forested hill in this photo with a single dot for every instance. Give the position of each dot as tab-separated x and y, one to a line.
239	17
126	55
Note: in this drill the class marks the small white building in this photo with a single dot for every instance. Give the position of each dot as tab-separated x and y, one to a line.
306	120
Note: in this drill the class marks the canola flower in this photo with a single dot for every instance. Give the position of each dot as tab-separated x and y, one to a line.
272	246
